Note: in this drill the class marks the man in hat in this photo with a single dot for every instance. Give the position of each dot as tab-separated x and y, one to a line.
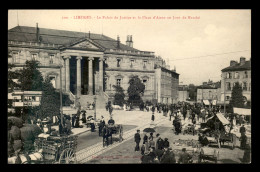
166	143
184	157
101	125
137	140
168	157
111	121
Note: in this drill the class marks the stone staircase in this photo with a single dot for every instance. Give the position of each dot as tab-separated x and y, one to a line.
101	100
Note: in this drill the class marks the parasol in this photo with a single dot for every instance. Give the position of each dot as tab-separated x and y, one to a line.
90	117
149	130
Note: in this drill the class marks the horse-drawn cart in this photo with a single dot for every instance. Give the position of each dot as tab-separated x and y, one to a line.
57	149
113	132
221	134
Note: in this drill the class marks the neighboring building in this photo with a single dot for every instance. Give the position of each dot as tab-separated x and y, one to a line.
166	85
209	91
91	63
25	98
183	93
236	72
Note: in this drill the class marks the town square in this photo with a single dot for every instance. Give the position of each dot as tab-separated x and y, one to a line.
121	89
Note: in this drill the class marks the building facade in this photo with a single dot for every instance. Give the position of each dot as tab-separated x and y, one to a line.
90	64
236	72
183	94
209	91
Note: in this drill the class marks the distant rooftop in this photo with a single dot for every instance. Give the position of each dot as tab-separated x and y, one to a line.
246	65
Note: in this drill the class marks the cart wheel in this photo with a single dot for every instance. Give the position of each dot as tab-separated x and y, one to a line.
68	157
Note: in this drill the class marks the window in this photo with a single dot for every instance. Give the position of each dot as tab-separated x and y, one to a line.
229	75
245	74
145	82
228	86
227	97
15	57
244	86
131	62
51	59
52	79
34	56
145	63
118	62
236	75
118	82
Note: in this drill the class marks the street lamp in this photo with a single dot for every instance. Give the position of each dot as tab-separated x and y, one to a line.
95	98
61	111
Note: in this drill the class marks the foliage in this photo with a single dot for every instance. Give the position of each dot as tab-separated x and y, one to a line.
135	90
50	100
192	89
119	98
237	99
12	74
31	78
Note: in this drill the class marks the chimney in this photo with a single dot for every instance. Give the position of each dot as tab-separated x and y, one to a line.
131	42
118	42
233	63
127	42
242	61
37	33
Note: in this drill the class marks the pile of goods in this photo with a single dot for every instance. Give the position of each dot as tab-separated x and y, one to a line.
22	134
192	143
15	133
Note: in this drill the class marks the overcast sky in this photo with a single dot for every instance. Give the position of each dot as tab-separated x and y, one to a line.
220	35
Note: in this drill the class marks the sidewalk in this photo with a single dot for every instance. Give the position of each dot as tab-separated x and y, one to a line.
75	131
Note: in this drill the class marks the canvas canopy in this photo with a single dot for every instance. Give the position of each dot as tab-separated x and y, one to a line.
222	119
214	102
242	111
206	102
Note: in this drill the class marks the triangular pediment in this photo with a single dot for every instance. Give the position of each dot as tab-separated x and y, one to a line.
85	45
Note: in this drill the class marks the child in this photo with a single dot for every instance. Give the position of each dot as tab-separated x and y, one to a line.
143	149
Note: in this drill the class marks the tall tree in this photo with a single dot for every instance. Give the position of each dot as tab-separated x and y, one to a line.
135	90
31	78
192	91
237	99
119	98
50	100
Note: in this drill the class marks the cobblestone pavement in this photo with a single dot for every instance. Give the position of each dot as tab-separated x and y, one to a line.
123	153
138	118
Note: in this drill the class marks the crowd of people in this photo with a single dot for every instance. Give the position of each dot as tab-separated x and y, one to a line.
158	150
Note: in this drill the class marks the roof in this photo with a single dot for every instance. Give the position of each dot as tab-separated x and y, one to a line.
62	37
238	67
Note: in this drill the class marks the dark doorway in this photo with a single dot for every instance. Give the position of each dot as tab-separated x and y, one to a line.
73	74
84	76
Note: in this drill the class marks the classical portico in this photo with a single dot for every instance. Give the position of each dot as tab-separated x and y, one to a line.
81	70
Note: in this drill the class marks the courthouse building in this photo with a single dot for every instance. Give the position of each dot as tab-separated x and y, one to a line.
91	63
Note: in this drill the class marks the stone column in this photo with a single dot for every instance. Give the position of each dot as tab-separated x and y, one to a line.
67	71
101	59
79	75
90	76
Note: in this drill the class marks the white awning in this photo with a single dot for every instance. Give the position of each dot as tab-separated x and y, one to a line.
222	119
242	111
206	102
214	102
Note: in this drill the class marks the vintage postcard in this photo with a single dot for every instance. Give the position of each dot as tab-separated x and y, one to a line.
129	86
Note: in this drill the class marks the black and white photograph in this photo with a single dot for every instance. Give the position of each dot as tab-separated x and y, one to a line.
129	86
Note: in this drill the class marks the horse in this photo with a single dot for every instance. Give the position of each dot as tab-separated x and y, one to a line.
106	133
